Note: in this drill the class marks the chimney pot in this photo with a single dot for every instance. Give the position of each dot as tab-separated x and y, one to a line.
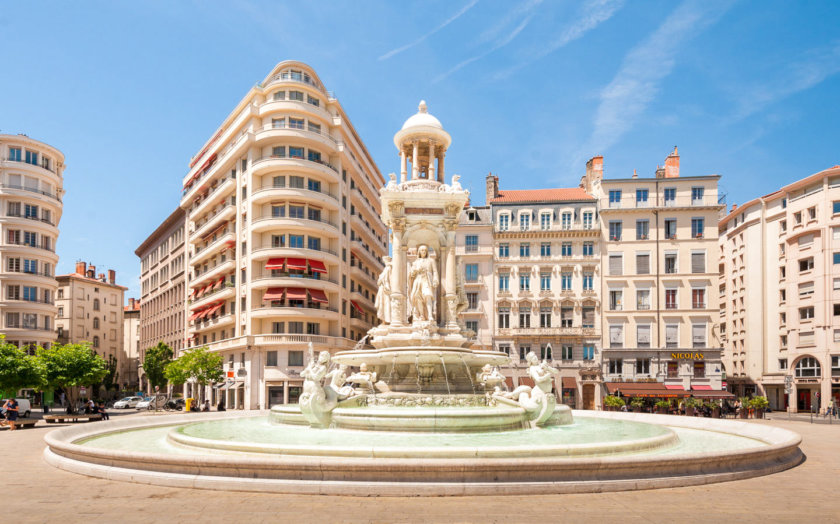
81	268
672	164
112	276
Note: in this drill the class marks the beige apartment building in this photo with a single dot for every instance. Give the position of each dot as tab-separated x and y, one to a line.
659	281
779	265
545	294
31	190
284	239
90	309
129	361
162	287
474	244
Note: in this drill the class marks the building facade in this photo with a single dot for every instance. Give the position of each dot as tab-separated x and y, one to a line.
779	264
31	192
90	309
129	359
474	244
659	279
284	239
163	288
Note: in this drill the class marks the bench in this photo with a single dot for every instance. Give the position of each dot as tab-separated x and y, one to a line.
21	423
50	419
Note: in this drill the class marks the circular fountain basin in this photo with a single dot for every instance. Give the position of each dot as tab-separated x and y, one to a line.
600	451
453	356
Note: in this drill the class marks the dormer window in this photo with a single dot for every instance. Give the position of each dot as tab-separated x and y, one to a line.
545	221
525	222
504	222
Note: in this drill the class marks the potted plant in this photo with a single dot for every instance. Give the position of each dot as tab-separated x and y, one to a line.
714	408
759	404
744	411
637	403
613	403
662	406
691	404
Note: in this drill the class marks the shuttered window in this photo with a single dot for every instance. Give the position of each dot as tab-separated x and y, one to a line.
616	336
698	262
643	264
643	336
806	288
698	335
615	264
806	240
672	335
806	338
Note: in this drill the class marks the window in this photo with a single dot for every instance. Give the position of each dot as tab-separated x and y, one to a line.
807	288
616	264
588	352
545	221
471	272
271	358
797	217
545	317
525	249
312	100
313	156
314	185
567	317
697	228
806	264
472	325
472	301
296	95
278	211
96	323
615	365
504	282
806	313
835	366
670	263
812	213
295	358
566	220
524	281
278	240
642	229
783	364
566	352
670	196
96	304
96	341
696	196
835	207
673	369
525	316
279	95
296	182
615	300
672	335
504	250
615	198
698	298
698	262
642	263
643	366
641	198
523	350
31	157
836	310
642	299
835	258
296	152
698	335
670	299
566	249
504	222
587	281
471	243
314	243
278	328
699	369
278	151
587	220
505	349
545	249
807	367
615	230
504	317
588	249
588	316
566	281
296	241
670	228
643	336
545	281
524	222
14	154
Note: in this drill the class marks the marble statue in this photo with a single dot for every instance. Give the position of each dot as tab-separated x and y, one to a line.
462	302
392	183
455	186
317	400
364	379
383	294
490	377
424	282
338	382
538	401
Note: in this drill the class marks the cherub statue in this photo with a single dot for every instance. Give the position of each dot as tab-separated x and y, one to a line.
363	378
537	401
392	183
490	377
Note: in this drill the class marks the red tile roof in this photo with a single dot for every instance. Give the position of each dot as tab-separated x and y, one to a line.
562	194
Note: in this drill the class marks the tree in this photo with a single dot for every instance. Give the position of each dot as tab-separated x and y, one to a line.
198	364
155	362
17	369
69	366
111	378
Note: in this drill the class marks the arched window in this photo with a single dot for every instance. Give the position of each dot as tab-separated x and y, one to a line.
808	367
95	323
96	341
96	304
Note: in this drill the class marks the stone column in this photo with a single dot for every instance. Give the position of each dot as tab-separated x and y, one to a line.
431	171
285	392
415	170
398	270
403	167
441	174
451	277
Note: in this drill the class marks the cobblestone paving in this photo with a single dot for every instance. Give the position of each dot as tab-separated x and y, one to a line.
35	492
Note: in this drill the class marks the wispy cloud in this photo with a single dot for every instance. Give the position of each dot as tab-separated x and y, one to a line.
591	15
644	67
448	21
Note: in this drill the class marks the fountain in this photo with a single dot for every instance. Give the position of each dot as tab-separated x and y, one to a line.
419	411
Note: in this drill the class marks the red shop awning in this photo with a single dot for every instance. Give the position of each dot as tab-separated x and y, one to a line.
275	263
701	388
318	296
568	383
218	284
674	387
317	266
356	307
296	263
274	293
296	293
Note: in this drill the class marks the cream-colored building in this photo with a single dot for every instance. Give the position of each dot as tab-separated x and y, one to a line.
780	290
546	257
31	190
284	239
162	287
659	280
90	309
129	361
474	246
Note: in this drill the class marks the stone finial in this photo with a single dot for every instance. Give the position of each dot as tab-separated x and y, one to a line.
422	108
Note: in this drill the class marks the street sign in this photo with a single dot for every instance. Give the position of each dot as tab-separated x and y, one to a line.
788	384
83	391
157	388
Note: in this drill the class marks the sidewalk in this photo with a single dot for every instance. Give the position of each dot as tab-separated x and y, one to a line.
803	417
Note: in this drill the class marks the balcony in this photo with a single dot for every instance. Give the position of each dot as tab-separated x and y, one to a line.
310	136
212	323
226	212
18	187
267	222
283	279
227	291
554	331
357	246
43	246
364	274
202	253
269	193
261	253
46	166
310	310
263	164
298	340
32	218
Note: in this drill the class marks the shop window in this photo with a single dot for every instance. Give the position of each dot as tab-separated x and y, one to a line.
699	370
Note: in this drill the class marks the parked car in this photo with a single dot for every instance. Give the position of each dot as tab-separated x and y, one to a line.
146	403
24	407
127	402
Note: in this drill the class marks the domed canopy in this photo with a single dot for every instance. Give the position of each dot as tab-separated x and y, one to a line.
422	118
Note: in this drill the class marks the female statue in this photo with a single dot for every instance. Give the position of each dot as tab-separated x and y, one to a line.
422	296
383	295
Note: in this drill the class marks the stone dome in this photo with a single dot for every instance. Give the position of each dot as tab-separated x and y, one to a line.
422	118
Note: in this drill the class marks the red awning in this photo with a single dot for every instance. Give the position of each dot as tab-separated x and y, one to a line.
202	313
568	382
274	293
296	293
218	284
230	243
526	381
509	382
195	315
192	293
200	292
275	263
723	385
211	233
318	296
356	307
212	309
644	389
701	388
674	387
317	266
296	263
713	395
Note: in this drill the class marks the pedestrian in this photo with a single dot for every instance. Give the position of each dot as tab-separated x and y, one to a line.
829	409
221	406
206	405
11	407
62	398
102	411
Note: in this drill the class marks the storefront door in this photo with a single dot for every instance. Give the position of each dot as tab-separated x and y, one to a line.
803	401
275	395
589	396
294	394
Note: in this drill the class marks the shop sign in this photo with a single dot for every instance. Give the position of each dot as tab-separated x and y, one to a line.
687	356
230	373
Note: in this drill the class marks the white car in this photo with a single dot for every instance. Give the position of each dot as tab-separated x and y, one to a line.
24	407
127	402
146	403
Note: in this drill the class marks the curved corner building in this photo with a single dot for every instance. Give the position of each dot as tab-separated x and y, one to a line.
284	238
31	181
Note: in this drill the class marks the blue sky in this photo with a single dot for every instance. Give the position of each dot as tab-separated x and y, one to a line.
530	90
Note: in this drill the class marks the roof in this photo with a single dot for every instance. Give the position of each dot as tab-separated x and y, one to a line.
179	215
483	217
91	280
422	118
562	194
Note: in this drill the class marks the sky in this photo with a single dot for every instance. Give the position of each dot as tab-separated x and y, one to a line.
528	90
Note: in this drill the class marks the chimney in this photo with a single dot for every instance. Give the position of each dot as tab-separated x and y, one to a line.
595	167
660	171
112	276
734	207
634	174
130	303
492	188
81	268
100	277
672	164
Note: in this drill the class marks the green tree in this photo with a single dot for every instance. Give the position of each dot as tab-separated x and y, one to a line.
17	369
70	366
155	362
198	364
111	378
